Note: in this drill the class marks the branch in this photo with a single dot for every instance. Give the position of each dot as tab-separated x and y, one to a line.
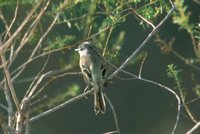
193	128
29	32
172	92
43	36
26	20
143	43
13	20
142	18
60	106
141	66
8	80
114	115
162	86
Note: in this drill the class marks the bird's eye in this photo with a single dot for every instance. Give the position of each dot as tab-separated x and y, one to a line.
81	49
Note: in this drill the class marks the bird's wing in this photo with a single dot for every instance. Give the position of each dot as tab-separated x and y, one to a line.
103	71
86	73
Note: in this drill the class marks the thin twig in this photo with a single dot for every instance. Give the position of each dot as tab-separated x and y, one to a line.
4	107
162	86
136	52
111	132
113	112
142	18
10	107
124	64
197	1
43	37
172	92
141	66
54	74
9	81
26	20
183	101
57	50
29	32
29	95
194	128
42	88
191	101
33	86
53	78
7	94
60	106
106	44
94	35
13	20
133	76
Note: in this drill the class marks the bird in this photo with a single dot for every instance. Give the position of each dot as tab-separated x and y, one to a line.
94	69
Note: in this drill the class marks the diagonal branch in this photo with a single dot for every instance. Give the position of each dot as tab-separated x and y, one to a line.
26	20
142	18
172	92
114	114
60	106
13	20
43	37
8	80
194	128
125	63
29	32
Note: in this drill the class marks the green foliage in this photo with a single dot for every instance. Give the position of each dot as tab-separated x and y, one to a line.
59	42
151	10
181	16
70	91
89	18
197	89
116	47
173	72
13	2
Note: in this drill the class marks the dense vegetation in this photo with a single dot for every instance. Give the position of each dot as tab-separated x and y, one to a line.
39	69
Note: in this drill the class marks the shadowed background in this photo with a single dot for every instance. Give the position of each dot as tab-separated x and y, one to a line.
141	108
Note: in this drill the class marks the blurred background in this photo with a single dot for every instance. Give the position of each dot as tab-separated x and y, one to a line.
173	56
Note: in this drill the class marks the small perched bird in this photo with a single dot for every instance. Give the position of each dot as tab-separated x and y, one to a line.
93	68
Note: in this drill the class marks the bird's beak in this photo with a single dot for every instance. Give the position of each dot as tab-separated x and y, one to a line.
76	50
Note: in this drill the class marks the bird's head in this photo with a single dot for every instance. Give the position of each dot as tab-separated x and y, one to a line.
84	48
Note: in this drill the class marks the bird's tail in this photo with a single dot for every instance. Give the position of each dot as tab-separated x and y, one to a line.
99	101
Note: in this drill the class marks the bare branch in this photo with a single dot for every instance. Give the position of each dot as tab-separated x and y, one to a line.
108	37
28	33
8	42
13	20
141	66
114	114
172	92
162	86
39	78
194	128
8	80
3	107
142	18
43	36
143	43
111	132
60	106
10	105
